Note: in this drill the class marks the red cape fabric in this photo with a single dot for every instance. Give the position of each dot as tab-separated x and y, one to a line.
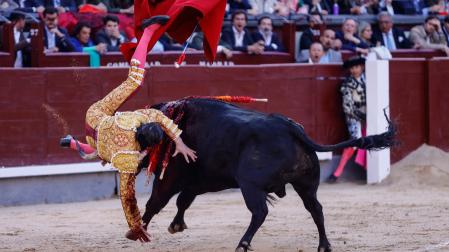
184	15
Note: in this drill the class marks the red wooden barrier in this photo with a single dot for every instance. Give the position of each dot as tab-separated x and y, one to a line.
438	102
306	93
7	51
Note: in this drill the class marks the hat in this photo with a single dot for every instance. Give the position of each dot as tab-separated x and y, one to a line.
354	61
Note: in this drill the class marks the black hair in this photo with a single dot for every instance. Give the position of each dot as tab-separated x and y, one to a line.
50	10
238	12
78	27
314	13
262	18
149	134
430	17
112	18
15	16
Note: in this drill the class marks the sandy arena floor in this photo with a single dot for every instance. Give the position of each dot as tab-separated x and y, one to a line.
388	217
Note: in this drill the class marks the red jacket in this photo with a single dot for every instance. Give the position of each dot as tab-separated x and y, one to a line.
184	15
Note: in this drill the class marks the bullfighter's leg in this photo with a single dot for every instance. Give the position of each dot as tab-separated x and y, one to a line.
309	198
255	199
183	202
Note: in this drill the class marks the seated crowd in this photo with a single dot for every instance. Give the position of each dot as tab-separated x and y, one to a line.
316	44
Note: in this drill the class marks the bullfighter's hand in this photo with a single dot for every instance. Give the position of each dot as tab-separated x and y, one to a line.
138	234
184	150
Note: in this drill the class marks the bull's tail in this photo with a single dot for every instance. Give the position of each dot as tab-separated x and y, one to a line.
373	142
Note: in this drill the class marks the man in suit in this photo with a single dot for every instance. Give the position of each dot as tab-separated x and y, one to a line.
22	45
265	34
389	36
56	39
429	35
239	37
349	39
307	38
110	34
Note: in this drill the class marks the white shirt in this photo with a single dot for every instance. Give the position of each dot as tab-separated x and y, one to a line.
238	37
18	62
389	36
266	37
51	38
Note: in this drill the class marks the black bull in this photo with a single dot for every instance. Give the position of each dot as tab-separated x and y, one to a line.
258	153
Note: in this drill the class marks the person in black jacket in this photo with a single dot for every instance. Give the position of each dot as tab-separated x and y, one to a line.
389	36
267	36
315	19
110	34
239	37
56	39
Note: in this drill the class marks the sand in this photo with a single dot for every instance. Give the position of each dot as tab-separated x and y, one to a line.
410	212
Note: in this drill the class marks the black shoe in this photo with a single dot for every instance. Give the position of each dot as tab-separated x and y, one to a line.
160	19
332	179
65	141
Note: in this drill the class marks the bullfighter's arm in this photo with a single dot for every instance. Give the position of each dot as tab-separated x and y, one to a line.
168	126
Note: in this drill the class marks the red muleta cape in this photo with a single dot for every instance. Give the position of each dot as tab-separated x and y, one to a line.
184	15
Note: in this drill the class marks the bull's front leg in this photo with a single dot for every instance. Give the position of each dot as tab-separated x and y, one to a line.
162	192
183	202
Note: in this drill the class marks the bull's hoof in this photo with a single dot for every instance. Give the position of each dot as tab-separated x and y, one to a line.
325	249
175	228
244	247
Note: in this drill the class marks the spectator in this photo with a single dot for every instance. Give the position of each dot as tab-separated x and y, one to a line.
110	34
197	44
29	6
56	39
235	5
446	28
359	7
344	6
387	6
437	7
315	20
8	5
61	5
389	36
93	6
366	34
121	6
286	8
169	44
238	37
22	46
266	35
262	7
407	7
349	38
318	6
429	35
328	41
316	52
81	39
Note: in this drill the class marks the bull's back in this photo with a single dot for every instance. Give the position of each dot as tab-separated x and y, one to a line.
225	135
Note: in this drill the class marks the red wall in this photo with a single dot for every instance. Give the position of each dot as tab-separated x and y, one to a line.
308	94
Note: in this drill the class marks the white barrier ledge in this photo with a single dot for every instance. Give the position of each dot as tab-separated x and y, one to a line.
59	169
